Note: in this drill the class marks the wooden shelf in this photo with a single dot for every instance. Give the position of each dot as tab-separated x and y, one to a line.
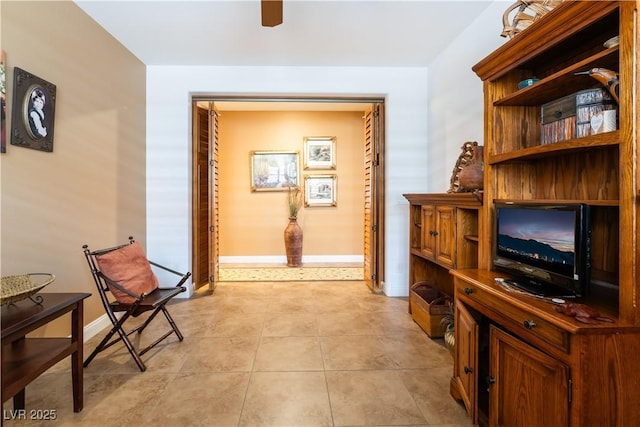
563	82
583	24
571	146
595	202
462	200
28	359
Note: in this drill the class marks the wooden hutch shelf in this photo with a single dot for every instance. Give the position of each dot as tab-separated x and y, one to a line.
516	357
443	235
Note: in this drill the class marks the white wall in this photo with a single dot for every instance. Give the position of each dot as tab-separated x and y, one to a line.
429	115
456	95
169	90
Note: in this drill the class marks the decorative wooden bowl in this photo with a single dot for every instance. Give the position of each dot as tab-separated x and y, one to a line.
21	286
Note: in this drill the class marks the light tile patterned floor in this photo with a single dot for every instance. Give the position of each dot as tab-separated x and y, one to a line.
270	273
280	272
267	354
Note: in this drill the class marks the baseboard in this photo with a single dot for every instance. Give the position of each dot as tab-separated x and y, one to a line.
278	259
95	327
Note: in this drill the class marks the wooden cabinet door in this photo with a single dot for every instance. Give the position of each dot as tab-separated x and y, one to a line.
429	231
466	358
529	388
446	236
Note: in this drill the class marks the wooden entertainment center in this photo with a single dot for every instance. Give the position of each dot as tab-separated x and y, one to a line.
518	361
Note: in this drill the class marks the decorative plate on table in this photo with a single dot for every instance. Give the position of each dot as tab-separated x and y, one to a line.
21	286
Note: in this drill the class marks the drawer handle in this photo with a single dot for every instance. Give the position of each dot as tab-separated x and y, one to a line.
529	324
467	370
468	291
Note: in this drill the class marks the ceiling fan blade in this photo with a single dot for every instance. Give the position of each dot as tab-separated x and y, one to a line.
271	12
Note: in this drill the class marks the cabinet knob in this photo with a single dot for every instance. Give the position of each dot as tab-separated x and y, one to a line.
468	291
435	233
529	324
467	370
490	380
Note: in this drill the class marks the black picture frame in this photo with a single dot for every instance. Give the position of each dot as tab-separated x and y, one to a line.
34	107
3	101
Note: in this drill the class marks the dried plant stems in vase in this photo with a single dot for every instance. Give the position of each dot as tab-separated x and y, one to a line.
293	231
294	197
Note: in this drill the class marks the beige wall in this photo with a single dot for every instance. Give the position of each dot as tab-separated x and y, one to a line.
253	223
91	188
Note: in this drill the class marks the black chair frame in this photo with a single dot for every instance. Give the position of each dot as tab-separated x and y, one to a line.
155	301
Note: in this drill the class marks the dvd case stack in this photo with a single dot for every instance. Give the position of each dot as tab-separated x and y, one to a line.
591	105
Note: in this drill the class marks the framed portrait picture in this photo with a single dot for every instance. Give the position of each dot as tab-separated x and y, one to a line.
320	190
320	152
34	107
274	170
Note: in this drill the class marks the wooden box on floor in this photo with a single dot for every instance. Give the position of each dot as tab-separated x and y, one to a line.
429	306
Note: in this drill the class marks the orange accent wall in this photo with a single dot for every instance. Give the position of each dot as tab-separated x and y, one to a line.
253	223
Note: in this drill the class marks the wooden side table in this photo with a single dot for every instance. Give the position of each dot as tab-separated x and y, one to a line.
24	359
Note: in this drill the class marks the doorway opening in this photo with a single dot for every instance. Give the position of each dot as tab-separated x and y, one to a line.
210	111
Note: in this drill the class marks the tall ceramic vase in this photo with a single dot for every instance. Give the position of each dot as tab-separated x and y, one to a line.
293	243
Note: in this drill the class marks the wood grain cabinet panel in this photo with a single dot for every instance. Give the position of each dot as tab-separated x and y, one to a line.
528	388
429	230
465	370
438	234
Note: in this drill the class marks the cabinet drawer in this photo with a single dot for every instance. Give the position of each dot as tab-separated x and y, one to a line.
528	323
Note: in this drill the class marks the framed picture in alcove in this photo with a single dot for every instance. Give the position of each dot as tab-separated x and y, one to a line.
320	190
274	170
320	152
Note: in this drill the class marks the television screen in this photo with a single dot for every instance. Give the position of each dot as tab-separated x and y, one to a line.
545	246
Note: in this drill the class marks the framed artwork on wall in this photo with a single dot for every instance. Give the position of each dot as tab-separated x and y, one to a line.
274	170
3	99
34	107
320	152
320	190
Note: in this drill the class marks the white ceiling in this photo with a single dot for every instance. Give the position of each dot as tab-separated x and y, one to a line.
375	33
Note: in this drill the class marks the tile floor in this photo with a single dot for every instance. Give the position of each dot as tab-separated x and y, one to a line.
280	272
266	354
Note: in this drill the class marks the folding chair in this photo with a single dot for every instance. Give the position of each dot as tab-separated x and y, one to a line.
125	272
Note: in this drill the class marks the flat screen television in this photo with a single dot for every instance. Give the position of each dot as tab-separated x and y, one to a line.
545	248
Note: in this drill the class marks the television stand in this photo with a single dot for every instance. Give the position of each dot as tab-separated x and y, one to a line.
545	290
